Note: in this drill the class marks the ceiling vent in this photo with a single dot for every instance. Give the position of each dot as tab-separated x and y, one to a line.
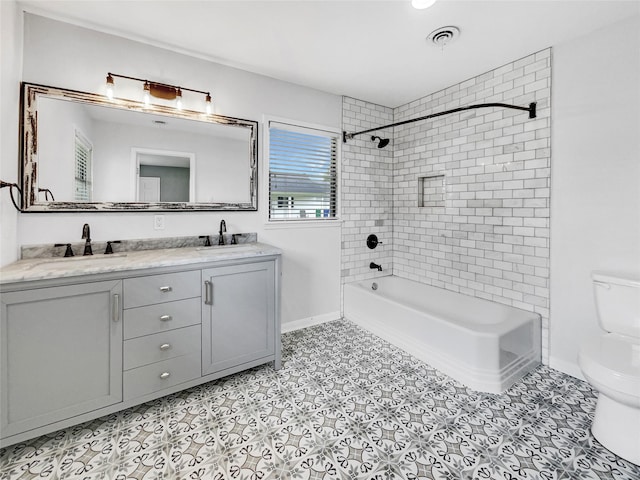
443	36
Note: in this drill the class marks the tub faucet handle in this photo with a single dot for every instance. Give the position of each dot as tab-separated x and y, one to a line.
372	241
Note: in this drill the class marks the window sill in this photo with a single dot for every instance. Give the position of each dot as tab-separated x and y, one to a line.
284	224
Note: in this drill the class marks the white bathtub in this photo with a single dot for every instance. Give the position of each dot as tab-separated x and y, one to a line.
484	345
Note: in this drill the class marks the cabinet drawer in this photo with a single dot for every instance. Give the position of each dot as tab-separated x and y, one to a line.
162	317
161	288
158	376
161	346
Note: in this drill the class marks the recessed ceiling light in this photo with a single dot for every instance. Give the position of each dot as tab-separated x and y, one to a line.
422	4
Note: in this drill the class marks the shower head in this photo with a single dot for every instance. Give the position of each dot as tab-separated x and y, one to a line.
383	141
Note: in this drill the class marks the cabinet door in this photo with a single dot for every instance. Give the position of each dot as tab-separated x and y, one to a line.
61	353
238	324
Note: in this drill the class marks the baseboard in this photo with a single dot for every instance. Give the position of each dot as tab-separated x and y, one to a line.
570	368
309	322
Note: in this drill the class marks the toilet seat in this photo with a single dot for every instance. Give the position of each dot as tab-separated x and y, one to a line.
612	361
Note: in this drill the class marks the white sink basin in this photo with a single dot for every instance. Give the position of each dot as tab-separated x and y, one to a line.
66	262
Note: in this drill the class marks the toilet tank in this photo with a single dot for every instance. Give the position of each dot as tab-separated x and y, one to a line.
618	303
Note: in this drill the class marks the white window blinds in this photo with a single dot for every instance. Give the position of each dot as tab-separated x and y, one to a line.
302	173
83	177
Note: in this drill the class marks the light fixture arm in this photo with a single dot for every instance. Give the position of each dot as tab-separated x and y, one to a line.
531	109
157	83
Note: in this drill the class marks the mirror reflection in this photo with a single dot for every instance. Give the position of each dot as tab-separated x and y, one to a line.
88	153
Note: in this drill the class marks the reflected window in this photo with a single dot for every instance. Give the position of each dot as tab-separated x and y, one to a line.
83	170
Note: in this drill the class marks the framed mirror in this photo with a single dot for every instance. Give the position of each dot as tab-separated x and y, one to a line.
84	152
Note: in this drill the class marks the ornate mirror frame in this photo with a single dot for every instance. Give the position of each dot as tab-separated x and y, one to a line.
29	154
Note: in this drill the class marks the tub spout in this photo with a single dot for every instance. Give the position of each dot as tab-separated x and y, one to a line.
375	266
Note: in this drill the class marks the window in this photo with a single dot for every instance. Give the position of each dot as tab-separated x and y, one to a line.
302	173
83	174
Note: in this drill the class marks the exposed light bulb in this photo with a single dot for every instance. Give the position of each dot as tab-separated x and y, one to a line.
208	104
179	99
147	94
422	4
109	87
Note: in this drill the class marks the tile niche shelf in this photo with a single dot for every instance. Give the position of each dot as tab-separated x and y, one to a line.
431	191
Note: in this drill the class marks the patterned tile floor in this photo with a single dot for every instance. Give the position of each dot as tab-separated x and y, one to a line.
345	405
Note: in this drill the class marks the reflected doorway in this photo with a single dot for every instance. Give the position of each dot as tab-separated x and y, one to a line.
163	176
148	189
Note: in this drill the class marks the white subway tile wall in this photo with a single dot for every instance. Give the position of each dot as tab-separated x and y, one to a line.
367	191
491	237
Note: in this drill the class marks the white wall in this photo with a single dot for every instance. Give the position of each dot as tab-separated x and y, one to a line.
595	188
68	56
11	55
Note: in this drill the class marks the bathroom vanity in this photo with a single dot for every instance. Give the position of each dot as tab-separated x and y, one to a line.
87	336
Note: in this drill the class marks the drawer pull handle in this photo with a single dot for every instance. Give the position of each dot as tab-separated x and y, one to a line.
166	289
165	375
166	318
165	346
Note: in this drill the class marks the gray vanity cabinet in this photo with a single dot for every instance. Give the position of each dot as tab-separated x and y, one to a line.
76	348
238	316
61	351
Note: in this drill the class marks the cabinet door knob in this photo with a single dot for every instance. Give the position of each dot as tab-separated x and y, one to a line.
165	318
165	375
165	289
165	346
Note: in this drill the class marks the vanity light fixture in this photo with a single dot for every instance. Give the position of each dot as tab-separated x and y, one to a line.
422	4
159	90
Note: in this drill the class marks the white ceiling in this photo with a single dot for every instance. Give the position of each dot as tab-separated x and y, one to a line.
371	50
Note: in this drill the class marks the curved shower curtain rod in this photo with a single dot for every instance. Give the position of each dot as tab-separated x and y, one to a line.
531	109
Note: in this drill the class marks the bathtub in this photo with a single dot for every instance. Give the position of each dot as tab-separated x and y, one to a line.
484	345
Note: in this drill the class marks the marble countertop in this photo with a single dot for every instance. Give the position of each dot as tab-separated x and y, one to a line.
48	268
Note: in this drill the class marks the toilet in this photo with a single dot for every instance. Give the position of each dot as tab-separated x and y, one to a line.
611	364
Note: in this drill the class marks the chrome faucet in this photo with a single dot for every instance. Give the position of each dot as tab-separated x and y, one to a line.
223	230
86	234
